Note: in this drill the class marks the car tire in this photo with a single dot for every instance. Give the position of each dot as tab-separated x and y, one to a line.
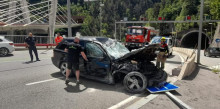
208	55
135	82
4	51
63	67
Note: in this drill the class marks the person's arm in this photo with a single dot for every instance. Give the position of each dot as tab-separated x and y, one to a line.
66	50
84	56
25	42
35	41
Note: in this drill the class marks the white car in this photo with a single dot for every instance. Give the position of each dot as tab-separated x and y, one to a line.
6	46
169	42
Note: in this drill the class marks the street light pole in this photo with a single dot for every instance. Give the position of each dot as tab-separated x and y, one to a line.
69	18
200	31
211	28
205	37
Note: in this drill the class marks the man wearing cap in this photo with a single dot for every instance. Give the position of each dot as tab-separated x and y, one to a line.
74	49
163	51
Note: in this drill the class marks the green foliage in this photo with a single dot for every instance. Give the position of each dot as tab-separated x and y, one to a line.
116	10
215	9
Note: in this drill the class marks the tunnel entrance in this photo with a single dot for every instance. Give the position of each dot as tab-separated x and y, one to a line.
190	39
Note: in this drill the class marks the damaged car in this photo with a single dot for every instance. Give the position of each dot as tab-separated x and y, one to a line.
111	62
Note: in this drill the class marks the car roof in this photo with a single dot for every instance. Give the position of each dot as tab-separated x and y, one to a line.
91	38
167	37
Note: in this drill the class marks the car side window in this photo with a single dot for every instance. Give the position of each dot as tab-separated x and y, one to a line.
93	50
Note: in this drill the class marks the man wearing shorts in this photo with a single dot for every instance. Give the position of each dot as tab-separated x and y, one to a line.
74	49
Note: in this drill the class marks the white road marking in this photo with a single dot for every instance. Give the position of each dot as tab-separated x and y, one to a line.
142	101
182	59
125	101
42	81
178	101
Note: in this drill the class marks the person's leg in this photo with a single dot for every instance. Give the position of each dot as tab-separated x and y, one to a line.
76	67
158	60
68	70
77	75
35	52
30	52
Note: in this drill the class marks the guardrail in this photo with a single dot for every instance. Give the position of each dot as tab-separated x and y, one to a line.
41	40
189	65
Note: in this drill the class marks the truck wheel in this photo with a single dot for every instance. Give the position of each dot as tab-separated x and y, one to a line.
63	68
135	82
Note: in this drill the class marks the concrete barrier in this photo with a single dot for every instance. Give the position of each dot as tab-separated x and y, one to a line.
189	64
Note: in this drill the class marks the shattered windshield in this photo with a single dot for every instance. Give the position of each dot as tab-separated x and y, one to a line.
156	40
115	49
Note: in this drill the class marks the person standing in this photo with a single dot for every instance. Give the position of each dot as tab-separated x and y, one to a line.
74	49
58	39
30	42
163	51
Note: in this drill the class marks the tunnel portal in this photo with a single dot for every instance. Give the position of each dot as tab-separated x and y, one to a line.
190	40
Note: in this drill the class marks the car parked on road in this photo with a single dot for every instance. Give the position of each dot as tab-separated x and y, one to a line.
111	62
212	51
6	46
169	42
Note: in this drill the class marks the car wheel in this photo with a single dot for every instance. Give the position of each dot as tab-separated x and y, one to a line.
207	54
135	82
3	51
63	68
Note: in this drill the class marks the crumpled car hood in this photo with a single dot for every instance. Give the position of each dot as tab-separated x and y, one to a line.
146	53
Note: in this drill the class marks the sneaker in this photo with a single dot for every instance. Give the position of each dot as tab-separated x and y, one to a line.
78	82
67	81
38	60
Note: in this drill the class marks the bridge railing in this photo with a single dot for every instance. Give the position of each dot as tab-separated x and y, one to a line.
20	39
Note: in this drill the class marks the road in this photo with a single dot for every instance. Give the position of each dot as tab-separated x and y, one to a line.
39	85
209	61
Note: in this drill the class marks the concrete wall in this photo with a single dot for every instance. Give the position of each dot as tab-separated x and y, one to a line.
189	64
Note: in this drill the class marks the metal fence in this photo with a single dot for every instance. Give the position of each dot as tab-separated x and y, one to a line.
19	39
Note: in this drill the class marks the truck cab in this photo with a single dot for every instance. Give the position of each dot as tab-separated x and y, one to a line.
138	36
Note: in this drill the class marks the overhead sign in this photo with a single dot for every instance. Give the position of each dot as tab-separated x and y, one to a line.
217	40
165	88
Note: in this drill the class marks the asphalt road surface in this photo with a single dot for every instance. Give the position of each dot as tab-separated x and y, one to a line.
39	85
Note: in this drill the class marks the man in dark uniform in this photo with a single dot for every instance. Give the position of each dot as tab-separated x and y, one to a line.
74	49
163	52
31	44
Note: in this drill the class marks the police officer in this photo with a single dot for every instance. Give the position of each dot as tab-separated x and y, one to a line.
73	50
31	44
163	51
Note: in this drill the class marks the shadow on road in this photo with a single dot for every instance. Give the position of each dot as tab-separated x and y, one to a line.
173	62
9	55
89	84
194	74
75	89
171	56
